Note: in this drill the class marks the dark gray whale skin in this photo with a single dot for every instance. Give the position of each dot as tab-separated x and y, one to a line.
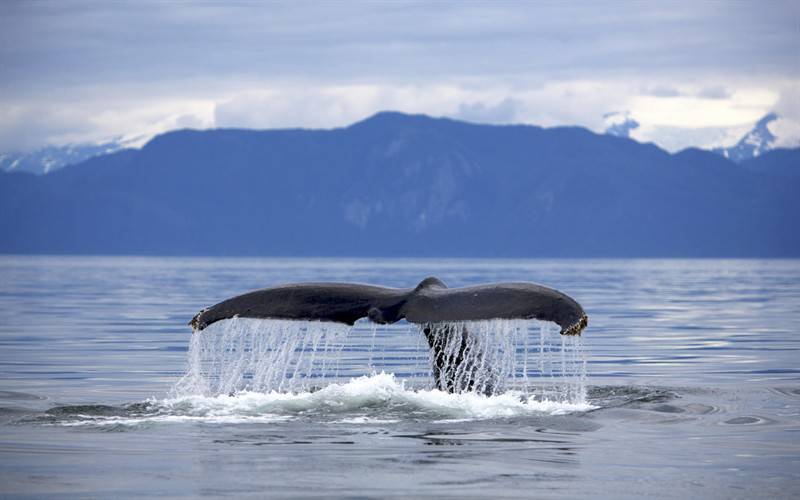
429	302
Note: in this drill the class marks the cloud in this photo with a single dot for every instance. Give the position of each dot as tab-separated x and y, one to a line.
505	111
675	139
714	92
663	91
788	105
191	121
52	45
24	127
31	125
669	121
619	123
309	107
672	122
91	70
339	105
787	127
745	106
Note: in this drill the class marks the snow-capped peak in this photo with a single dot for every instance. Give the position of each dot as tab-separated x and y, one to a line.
754	143
49	158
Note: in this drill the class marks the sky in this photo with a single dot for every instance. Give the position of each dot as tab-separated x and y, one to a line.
692	73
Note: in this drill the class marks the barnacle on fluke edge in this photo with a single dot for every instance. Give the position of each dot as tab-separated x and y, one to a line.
576	328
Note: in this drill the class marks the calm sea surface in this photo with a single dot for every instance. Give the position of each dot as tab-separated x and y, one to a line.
693	388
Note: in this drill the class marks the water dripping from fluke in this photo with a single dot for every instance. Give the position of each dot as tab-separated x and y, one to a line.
493	356
516	358
243	354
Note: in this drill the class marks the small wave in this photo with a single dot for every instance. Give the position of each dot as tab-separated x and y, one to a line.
90	420
370	399
617	396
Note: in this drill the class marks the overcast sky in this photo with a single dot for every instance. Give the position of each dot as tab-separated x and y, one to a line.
692	73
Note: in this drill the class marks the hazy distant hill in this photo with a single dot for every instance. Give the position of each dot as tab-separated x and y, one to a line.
396	184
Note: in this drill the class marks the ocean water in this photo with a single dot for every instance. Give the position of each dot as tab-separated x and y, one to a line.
686	384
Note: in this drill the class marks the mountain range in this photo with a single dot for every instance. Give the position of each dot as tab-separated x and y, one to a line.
617	123
407	185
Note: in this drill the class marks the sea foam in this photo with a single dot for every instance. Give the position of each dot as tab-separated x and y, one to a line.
375	399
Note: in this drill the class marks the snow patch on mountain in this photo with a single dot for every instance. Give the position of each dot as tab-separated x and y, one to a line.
50	158
755	142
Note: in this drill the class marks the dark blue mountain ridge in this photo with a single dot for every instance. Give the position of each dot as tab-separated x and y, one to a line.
406	185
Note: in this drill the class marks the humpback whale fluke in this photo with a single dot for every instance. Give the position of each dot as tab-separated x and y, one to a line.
441	313
429	302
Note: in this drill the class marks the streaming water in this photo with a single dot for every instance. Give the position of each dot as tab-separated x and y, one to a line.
494	355
243	354
482	357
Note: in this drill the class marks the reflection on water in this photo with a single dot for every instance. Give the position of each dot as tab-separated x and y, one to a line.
692	366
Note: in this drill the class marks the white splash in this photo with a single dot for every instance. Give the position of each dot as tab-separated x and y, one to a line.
292	364
368	400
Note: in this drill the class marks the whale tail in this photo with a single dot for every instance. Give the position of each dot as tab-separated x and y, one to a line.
431	305
429	302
